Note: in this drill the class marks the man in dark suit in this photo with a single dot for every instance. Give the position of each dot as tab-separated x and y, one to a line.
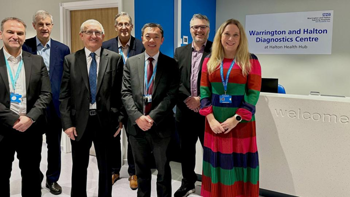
25	93
53	53
190	124
150	84
127	46
91	106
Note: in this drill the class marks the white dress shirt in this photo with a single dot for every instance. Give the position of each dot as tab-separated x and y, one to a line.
20	88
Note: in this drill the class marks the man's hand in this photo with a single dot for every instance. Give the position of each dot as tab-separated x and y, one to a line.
144	122
193	103
71	132
23	123
119	129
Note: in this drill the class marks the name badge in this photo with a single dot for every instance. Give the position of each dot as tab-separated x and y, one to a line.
15	98
148	98
225	98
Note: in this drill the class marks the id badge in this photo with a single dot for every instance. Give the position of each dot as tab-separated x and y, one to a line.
15	98
148	98
225	98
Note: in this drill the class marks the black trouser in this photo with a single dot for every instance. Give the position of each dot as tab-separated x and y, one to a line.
146	147
53	132
190	129
116	155
27	145
80	154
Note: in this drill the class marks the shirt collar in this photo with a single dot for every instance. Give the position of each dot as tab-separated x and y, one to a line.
10	57
38	43
127	44
202	49
97	52
155	57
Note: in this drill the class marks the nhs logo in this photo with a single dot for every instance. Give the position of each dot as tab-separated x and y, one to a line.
326	14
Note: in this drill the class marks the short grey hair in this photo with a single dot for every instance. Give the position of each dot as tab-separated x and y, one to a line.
122	14
82	27
12	19
42	14
201	17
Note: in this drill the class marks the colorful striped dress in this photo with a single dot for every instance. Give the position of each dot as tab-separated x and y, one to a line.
231	163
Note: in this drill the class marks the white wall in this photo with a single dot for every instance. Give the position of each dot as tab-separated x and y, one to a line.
24	9
299	74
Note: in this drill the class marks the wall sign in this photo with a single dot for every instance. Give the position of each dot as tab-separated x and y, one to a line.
290	33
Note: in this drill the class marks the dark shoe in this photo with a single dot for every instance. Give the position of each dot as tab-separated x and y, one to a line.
115	177
54	187
133	182
185	190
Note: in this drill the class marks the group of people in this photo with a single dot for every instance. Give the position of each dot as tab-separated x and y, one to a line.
126	83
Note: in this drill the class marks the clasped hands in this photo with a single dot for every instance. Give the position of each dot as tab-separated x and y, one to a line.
225	127
193	103
22	124
144	122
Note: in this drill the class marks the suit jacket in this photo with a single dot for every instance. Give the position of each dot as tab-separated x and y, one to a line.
38	91
57	53
136	46
165	87
75	92
183	55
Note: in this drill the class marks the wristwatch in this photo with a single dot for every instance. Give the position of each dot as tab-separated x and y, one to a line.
238	118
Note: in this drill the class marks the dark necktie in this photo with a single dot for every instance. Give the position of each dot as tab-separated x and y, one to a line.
149	91
93	77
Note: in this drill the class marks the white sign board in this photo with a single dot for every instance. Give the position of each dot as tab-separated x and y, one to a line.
290	33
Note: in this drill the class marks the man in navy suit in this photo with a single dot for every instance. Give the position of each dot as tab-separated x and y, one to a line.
127	46
53	53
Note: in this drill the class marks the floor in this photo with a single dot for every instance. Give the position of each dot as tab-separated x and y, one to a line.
120	188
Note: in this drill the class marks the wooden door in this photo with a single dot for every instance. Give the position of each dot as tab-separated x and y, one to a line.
104	15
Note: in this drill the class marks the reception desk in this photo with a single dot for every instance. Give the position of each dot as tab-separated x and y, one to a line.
304	145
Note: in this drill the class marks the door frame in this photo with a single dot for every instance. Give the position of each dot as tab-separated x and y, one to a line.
65	9
65	30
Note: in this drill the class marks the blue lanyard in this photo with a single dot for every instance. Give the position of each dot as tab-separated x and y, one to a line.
122	53
14	80
150	80
224	82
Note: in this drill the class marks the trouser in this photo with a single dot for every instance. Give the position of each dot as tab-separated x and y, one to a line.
190	130
27	145
147	147
80	155
53	132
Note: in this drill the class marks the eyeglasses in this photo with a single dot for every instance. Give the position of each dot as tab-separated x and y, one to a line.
90	33
123	24
197	27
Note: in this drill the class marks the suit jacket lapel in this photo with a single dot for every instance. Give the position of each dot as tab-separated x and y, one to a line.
81	63
159	71
188	62
27	66
132	46
141	71
3	70
102	69
52	58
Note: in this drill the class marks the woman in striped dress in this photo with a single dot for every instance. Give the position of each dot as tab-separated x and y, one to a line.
230	88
